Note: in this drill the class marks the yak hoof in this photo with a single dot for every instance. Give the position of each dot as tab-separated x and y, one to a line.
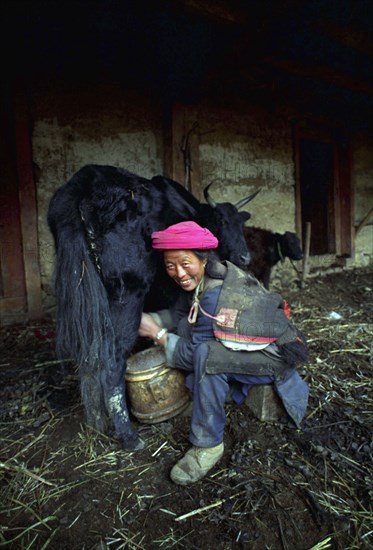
133	444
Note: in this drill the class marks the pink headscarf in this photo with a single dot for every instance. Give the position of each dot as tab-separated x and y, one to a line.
184	236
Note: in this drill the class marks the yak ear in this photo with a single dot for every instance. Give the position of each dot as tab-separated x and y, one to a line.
245	216
133	210
181	200
128	213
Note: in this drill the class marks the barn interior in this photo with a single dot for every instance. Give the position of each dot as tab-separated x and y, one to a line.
260	94
249	95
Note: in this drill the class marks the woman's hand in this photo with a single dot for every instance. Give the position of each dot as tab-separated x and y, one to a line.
148	327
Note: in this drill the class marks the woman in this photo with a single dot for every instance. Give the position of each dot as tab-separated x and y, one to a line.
221	309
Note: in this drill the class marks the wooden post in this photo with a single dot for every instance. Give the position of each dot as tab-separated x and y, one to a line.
306	253
181	147
27	200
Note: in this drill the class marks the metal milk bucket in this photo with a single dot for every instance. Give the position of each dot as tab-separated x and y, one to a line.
156	392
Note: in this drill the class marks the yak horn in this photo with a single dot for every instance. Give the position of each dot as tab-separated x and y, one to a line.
242	202
208	197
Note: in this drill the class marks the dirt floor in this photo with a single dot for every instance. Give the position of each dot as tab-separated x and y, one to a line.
277	487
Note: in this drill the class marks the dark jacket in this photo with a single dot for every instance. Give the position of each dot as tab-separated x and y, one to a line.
259	315
227	286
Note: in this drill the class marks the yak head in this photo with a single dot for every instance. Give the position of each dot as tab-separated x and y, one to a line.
226	222
291	246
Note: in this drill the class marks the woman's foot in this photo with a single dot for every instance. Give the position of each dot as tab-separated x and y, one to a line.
195	464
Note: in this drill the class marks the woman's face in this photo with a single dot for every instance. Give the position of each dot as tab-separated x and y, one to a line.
184	267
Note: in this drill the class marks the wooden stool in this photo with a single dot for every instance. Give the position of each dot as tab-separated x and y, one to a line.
264	402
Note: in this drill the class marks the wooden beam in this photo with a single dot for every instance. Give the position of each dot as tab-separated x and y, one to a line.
27	200
12	310
327	74
306	258
218	10
298	200
174	166
346	199
354	37
181	149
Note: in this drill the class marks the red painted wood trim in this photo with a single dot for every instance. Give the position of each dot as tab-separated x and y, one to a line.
298	204
27	199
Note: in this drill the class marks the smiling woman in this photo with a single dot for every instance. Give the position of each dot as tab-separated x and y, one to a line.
188	333
185	268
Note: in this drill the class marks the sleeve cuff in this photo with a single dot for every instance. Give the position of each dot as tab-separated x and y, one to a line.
163	318
172	341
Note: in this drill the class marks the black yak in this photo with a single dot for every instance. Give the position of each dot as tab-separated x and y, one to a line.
101	221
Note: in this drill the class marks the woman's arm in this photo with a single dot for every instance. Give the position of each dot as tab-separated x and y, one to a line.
150	329
179	351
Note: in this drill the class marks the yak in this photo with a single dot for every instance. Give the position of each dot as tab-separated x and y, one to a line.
101	221
267	249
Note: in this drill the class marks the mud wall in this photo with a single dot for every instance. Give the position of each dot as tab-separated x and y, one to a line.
241	148
245	149
78	127
362	180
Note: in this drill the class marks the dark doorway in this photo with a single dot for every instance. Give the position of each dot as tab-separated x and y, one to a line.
317	196
323	189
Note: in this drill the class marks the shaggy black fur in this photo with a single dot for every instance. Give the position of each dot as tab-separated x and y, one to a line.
102	220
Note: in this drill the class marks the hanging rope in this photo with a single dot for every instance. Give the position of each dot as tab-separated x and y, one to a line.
185	149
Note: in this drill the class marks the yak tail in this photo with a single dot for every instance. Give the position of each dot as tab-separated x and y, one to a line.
84	329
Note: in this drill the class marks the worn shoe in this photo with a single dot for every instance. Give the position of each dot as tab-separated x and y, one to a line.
195	464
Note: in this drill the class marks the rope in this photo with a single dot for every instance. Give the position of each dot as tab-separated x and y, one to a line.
279	252
292	263
193	312
219	318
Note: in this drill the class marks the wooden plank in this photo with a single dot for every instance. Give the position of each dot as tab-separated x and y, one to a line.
298	202
321	73
173	139
334	211
12	277
13	304
12	310
346	200
27	199
306	251
195	175
11	262
181	147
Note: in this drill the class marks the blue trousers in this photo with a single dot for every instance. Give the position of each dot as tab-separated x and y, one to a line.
209	392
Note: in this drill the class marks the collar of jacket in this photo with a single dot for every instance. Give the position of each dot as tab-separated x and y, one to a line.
216	270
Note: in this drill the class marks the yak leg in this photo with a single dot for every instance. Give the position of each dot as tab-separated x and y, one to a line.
125	324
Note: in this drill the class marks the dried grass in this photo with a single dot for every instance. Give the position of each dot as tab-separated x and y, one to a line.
323	481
